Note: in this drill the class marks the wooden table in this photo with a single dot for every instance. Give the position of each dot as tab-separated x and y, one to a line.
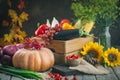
113	75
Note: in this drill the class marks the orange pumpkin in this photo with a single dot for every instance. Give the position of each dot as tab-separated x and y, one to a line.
34	60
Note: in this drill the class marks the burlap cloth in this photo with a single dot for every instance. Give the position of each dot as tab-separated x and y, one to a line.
86	67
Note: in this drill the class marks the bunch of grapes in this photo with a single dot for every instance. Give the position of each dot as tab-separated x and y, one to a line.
32	43
47	33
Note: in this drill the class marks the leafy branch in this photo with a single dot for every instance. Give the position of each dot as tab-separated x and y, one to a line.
103	12
15	35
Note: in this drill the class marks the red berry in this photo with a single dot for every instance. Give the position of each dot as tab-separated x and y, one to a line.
67	57
74	77
57	75
51	75
74	56
66	78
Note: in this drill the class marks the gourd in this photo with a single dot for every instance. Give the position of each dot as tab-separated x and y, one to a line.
33	59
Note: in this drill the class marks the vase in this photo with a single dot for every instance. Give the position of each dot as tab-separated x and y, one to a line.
105	38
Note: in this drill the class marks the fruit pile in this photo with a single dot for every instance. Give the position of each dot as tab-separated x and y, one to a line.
73	60
15	58
47	32
33	51
8	51
66	24
61	30
72	57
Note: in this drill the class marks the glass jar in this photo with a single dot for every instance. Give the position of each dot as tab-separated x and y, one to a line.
105	38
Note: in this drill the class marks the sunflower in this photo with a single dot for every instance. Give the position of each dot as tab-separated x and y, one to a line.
93	49
112	57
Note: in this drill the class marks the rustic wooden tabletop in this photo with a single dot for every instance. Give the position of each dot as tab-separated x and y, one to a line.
113	75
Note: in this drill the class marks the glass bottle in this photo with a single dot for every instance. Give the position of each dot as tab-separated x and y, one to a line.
105	38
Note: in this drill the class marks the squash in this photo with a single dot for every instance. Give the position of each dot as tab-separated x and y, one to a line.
33	59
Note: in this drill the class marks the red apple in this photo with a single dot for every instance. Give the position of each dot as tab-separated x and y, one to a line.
64	21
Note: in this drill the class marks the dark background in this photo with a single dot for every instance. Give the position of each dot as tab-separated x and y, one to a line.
41	10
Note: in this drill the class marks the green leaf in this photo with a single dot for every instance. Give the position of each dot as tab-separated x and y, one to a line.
103	12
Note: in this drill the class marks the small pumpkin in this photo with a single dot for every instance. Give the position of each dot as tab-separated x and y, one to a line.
33	59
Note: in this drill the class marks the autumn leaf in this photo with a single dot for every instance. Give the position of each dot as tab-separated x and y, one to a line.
8	37
24	16
19	22
16	35
12	13
22	33
21	5
5	23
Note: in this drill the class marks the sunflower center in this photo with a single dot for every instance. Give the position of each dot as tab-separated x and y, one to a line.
112	57
93	53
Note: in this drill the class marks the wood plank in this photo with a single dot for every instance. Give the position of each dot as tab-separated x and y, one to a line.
4	76
77	43
89	77
113	75
100	77
117	71
15	78
67	46
110	76
79	77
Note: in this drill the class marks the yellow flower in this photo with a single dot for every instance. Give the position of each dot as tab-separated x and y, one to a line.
112	57
93	49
